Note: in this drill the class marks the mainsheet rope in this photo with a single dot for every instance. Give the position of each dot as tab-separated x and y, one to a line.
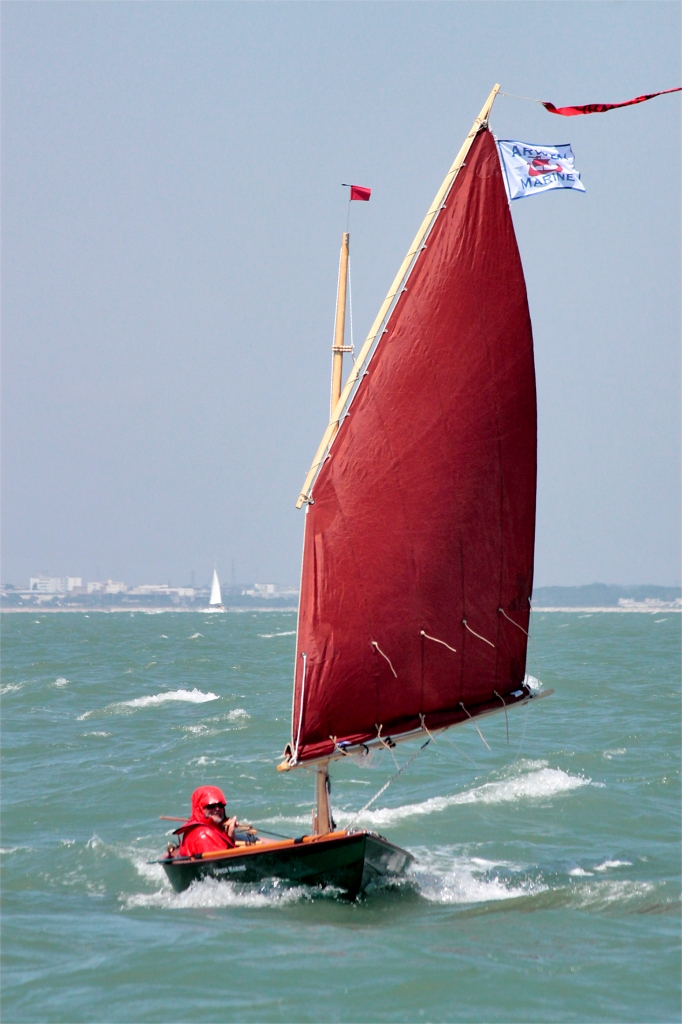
387	784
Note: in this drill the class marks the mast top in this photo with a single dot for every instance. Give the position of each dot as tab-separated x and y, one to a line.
396	288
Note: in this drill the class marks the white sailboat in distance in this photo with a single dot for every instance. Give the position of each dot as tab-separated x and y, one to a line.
215	603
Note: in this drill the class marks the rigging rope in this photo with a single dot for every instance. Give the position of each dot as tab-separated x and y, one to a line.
515	97
386	785
512	621
506	719
300	716
437	641
350	308
375	644
475	723
464	623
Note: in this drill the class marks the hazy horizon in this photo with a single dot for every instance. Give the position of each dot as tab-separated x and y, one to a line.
172	212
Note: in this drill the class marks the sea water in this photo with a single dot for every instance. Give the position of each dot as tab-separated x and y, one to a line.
545	886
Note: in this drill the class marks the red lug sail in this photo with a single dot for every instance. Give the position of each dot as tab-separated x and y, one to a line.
418	553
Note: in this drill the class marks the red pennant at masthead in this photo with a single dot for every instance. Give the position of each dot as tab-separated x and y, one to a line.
359	192
599	108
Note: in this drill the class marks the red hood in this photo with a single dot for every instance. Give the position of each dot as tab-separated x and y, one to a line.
200	797
205	795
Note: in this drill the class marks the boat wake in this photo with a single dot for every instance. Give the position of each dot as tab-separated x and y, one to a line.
211	893
447	875
441	877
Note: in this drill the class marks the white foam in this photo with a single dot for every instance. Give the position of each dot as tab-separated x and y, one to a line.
443	877
209	892
541	784
608	754
191	696
613	864
237	714
212	894
61	681
9	688
268	636
533	683
600	895
97	734
580	873
195	636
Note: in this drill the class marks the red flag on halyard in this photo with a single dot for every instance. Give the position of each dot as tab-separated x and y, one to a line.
418	550
359	192
599	108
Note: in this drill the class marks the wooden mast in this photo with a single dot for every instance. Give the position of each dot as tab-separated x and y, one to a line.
322	819
338	348
397	286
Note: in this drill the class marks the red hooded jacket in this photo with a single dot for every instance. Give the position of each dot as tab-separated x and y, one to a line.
199	834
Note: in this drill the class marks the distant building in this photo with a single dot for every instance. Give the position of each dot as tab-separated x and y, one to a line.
270	591
161	590
110	587
54	584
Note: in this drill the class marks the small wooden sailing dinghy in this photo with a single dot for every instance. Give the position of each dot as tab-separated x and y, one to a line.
420	521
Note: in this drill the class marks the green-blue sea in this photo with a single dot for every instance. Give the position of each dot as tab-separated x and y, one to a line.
546	886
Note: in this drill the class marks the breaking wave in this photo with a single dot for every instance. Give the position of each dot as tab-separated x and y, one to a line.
540	784
191	696
268	636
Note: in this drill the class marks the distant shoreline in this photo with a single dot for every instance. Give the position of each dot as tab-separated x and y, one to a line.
118	610
37	610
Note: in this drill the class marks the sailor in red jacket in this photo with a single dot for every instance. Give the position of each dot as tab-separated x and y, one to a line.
208	829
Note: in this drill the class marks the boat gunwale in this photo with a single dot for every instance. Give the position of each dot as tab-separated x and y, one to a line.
265	846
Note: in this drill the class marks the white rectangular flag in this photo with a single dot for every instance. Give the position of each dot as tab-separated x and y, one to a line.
530	169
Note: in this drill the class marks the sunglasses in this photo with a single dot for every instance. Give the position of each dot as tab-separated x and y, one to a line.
214	807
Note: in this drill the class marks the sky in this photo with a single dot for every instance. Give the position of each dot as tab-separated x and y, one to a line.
172	215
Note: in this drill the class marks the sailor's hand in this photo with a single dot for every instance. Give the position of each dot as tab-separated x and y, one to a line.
230	826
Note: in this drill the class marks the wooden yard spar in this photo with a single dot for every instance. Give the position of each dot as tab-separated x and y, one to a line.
395	289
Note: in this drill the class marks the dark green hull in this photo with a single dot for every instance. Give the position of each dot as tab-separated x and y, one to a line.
347	861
